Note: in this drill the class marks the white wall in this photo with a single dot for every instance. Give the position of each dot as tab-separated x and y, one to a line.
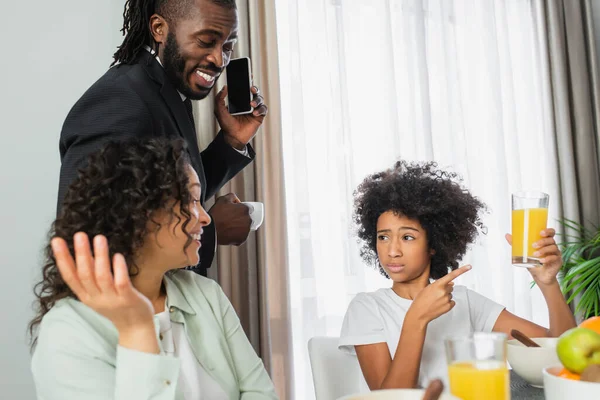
51	52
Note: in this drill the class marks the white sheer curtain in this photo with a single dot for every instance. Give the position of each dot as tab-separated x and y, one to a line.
461	82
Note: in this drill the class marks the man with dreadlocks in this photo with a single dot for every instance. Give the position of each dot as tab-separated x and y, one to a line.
172	53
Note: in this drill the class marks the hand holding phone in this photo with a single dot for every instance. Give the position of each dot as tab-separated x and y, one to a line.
242	117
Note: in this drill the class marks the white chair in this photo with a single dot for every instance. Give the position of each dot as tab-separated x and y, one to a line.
335	374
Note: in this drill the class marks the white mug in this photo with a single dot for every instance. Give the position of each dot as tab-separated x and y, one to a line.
257	213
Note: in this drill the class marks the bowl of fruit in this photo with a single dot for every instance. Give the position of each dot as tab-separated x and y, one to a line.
578	377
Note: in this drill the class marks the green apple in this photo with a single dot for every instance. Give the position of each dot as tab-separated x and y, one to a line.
578	348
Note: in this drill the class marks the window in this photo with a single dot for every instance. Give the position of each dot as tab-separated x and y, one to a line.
460	82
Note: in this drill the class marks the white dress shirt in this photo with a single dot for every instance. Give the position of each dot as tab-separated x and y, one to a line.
193	382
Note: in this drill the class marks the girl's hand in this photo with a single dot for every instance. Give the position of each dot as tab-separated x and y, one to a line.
436	298
550	257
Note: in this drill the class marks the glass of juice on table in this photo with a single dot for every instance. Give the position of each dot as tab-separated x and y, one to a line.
529	219
477	366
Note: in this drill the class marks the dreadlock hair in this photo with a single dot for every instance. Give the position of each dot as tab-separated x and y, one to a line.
136	21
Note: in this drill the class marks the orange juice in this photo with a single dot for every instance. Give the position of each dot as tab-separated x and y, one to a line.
526	227
480	380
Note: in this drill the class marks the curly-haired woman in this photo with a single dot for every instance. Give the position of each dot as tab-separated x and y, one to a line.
125	321
416	222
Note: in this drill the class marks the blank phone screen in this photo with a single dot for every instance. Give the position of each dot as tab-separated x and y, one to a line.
238	84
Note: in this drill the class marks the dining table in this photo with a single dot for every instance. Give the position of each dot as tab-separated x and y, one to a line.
521	390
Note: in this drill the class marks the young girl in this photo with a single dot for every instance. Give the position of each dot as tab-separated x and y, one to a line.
416	222
125	321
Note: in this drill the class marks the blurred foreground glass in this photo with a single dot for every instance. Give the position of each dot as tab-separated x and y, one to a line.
477	367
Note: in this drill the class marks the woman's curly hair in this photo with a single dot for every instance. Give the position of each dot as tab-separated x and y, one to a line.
449	213
116	195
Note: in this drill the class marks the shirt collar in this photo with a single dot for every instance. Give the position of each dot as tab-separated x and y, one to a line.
183	97
175	297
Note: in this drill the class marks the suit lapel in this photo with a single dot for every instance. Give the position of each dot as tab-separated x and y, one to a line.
177	108
187	130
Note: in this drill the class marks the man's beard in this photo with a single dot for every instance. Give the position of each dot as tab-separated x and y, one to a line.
174	65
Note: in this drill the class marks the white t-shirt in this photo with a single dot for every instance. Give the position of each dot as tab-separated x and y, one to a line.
194	382
377	317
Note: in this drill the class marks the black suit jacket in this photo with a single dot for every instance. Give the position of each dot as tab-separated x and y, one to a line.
138	101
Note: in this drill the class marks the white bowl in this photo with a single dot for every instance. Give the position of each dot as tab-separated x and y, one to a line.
395	394
557	388
528	362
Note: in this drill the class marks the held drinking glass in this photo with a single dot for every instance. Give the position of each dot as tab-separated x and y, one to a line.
477	366
529	219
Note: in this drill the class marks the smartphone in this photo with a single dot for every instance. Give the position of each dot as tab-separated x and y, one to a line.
239	82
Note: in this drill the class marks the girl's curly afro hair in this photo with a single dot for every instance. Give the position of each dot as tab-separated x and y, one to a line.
449	214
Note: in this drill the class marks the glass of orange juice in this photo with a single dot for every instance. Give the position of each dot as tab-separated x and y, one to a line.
529	219
477	367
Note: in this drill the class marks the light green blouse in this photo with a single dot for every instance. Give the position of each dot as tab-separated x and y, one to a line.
77	356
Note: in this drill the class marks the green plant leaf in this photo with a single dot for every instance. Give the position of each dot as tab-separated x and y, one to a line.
584	303
580	271
586	265
581	285
577	238
569	253
577	227
580	280
589	303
